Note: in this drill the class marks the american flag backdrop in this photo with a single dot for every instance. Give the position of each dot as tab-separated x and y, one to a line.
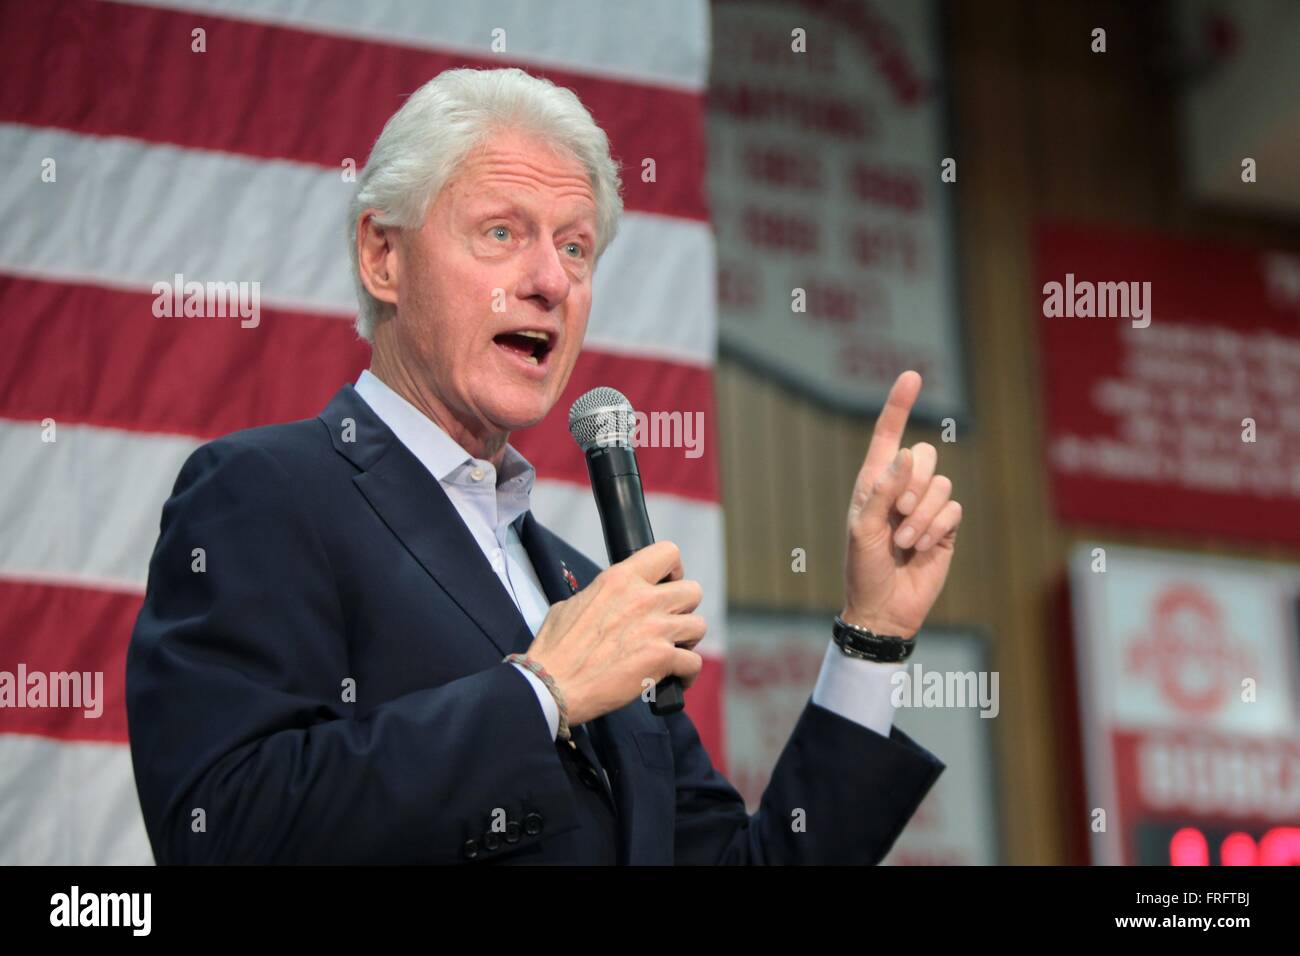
213	139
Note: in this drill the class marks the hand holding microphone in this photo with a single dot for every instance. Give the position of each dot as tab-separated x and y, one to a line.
627	627
634	623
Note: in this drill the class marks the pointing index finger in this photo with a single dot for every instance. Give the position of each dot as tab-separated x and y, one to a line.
892	422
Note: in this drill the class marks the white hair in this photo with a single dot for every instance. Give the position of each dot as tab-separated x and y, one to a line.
423	144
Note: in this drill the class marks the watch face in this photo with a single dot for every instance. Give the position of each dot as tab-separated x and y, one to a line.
883	649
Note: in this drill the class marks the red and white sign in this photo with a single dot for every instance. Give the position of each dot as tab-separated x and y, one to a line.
1188	417
834	227
1188	676
773	661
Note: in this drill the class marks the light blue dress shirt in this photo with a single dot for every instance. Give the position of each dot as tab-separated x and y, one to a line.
492	506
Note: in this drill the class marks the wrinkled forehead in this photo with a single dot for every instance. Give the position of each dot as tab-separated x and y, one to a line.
515	167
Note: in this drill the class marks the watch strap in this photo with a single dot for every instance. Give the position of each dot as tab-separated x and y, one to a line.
867	645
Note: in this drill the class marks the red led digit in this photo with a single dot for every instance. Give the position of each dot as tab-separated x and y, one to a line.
1238	849
1187	847
1280	847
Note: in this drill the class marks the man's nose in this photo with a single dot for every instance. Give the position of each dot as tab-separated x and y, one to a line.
544	276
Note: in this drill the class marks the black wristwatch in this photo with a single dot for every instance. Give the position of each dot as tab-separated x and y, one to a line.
867	645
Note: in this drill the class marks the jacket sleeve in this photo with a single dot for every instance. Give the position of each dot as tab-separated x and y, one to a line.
839	794
245	745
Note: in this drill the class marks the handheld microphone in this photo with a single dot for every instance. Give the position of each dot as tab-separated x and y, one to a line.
601	422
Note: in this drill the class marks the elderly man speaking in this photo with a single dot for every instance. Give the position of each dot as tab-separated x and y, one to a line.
380	657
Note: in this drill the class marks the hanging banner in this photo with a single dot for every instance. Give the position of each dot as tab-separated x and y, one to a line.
773	662
1172	383
830	202
1187	671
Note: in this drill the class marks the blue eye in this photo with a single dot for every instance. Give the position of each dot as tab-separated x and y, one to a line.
574	245
496	229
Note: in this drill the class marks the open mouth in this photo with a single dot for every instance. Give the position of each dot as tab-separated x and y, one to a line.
532	347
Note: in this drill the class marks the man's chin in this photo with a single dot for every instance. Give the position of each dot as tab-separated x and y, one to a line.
519	417
517	406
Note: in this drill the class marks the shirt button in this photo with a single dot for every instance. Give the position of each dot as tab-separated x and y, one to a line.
497	562
477	474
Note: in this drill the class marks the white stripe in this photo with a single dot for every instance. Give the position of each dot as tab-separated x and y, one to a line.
90	503
663	42
69	803
125	214
696	528
85	508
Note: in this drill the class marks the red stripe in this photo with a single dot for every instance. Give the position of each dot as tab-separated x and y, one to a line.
85	354
285	93
60	628
89	355
704	707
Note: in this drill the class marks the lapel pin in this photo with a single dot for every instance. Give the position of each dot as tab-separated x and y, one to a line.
569	577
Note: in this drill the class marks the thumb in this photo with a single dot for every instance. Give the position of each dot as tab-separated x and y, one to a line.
887	489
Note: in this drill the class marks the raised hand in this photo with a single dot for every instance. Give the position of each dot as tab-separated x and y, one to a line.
902	525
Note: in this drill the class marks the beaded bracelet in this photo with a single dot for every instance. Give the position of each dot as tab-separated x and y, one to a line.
549	681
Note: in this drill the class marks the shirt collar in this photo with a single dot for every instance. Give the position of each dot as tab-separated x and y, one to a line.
445	459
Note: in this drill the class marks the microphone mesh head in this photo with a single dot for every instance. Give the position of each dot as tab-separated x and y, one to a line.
602	417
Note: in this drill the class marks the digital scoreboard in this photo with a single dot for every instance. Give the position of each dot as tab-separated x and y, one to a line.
1214	844
1188	677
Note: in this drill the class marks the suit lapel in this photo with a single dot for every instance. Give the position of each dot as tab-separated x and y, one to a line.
415	508
413	505
547	561
642	796
551	572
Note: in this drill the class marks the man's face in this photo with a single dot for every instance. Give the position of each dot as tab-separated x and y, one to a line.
507	247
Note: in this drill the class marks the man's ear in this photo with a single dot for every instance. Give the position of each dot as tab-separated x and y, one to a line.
377	257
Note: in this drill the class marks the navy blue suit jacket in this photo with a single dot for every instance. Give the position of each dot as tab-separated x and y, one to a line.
326	560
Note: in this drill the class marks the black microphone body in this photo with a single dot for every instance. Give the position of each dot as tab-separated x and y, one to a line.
616	483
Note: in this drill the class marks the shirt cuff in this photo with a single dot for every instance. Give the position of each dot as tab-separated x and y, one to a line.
856	689
544	697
